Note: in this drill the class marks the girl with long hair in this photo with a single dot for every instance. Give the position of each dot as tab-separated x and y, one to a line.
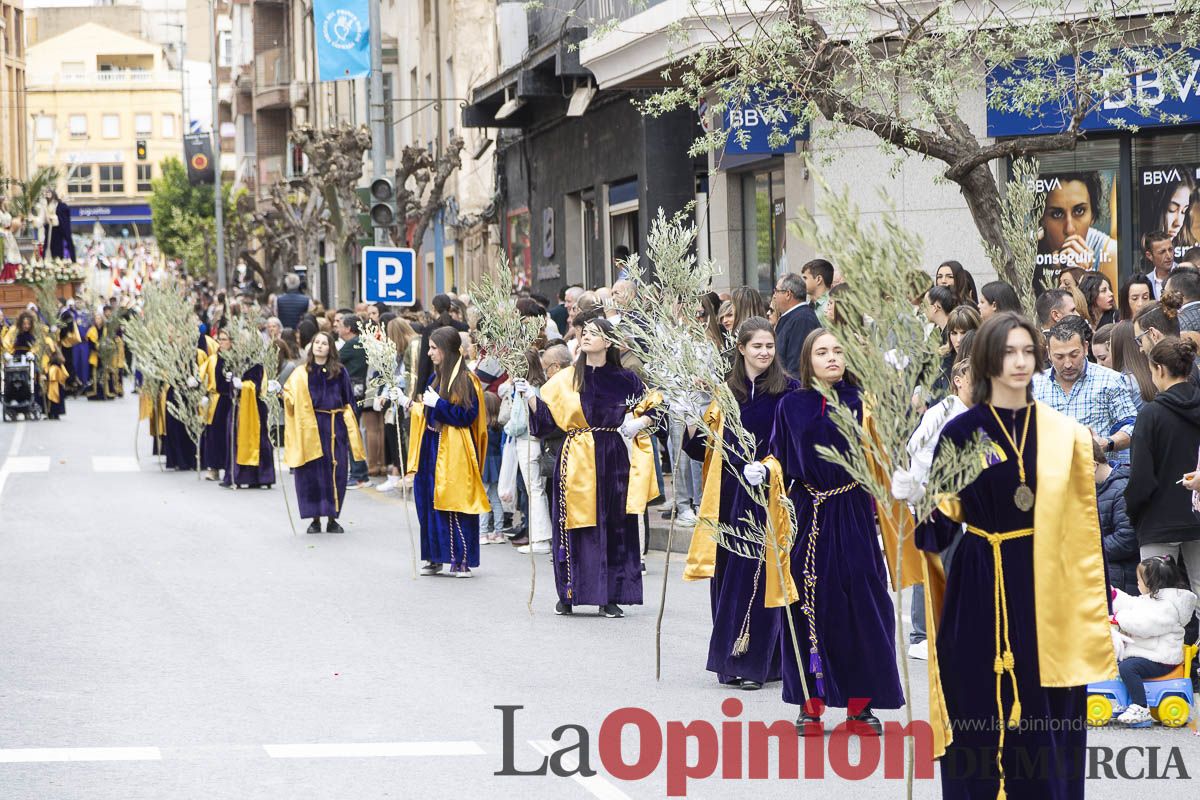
522	456
1128	359
1101	303
1135	294
845	619
408	343
747	303
604	475
447	447
320	433
214	442
744	647
1020	625
996	297
957	279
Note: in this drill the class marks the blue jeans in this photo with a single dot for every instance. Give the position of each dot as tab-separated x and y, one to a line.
1135	671
492	521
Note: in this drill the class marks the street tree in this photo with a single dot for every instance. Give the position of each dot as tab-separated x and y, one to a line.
901	71
421	189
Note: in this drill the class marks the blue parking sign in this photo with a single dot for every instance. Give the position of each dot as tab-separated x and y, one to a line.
389	275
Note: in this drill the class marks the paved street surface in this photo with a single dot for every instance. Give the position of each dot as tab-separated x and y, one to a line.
161	637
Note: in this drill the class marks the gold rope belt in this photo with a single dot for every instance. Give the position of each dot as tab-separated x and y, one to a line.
564	547
332	449
808	602
1005	663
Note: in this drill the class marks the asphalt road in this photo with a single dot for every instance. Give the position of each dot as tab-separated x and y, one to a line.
161	637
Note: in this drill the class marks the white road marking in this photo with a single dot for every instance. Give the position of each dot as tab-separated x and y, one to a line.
13	447
373	749
115	464
26	755
595	785
15	464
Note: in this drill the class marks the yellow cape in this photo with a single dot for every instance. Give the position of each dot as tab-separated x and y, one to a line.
56	376
1069	588
248	438
458	473
301	436
564	404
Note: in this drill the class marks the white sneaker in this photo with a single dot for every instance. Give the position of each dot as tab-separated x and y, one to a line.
920	650
391	483
1134	715
686	517
538	547
463	573
431	569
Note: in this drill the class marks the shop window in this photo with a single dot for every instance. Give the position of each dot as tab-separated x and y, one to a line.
764	228
112	179
518	248
144	174
80	179
1166	190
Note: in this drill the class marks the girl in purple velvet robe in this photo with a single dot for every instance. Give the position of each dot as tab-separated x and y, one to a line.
262	475
321	483
846	622
1044	756
605	560
177	445
214	442
759	383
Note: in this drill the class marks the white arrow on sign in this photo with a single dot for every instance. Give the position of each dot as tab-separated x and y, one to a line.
391	276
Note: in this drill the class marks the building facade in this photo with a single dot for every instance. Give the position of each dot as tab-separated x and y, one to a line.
13	136
105	109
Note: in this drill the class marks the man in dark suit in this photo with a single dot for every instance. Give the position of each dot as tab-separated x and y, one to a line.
794	321
354	359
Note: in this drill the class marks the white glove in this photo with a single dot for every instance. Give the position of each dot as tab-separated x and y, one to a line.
228	375
237	384
274	387
377	404
192	383
204	401
632	425
394	394
906	487
520	387
430	398
754	473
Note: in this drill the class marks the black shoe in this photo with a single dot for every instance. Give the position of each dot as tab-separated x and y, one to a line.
808	725
643	565
315	527
562	609
612	611
750	686
333	527
865	718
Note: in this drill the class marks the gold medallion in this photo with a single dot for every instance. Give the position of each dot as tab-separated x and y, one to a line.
1023	497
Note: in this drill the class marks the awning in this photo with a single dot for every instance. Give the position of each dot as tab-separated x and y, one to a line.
126	214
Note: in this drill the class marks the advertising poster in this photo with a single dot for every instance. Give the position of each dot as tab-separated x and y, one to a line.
1167	202
1078	227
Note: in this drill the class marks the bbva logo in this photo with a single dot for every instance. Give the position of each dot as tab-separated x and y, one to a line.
1157	177
1043	185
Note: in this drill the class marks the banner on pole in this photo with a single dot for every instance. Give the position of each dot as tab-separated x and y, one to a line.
197	148
343	43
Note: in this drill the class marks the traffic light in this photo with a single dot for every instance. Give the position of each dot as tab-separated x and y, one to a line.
383	203
141	149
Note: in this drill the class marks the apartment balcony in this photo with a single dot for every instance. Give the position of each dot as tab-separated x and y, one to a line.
272	79
108	79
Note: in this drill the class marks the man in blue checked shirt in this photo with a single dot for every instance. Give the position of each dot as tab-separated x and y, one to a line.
1090	394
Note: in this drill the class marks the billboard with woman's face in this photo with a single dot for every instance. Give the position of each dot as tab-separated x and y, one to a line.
1078	227
1168	202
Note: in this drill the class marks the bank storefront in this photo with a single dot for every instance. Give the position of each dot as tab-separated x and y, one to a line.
1118	185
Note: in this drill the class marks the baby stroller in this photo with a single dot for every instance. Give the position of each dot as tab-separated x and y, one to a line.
18	384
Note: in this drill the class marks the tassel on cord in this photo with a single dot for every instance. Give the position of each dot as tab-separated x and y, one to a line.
741	644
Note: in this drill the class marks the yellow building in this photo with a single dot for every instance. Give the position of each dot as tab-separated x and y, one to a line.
12	88
105	110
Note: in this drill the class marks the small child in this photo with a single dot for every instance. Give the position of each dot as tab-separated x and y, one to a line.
492	522
1116	531
56	382
1153	622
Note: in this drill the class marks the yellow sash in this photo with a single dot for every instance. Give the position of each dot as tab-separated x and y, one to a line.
72	338
93	337
564	404
247	432
208	376
1074	643
56	376
895	520
458	473
301	436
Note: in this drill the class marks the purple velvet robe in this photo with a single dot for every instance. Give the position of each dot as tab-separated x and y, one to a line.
177	446
732	588
241	475
317	484
606	559
1044	757
215	442
447	537
854	617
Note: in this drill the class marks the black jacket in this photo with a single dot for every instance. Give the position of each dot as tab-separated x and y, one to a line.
790	332
1121	553
1166	439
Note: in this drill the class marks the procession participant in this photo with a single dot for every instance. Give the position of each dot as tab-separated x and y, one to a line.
250	461
744	648
1022	624
447	444
845	618
68	340
22	336
604	475
320	433
103	367
214	443
177	446
56	381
